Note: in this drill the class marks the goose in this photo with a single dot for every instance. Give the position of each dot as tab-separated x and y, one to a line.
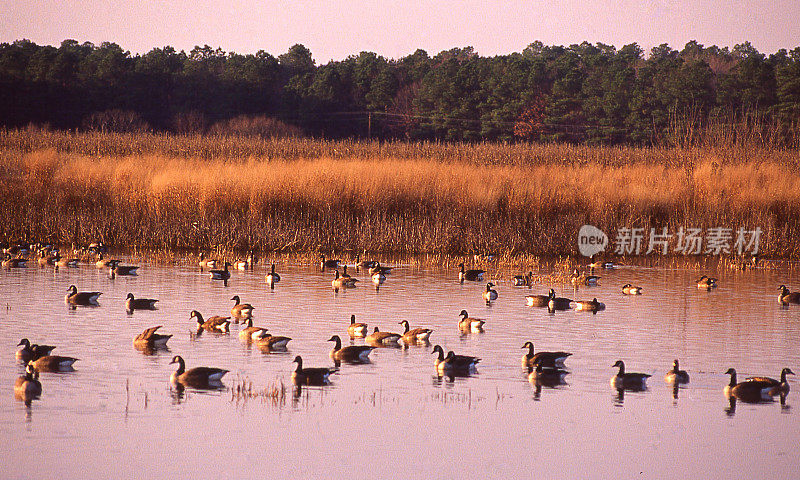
310	376
473	275
545	359
98	248
47	257
269	342
216	324
417	335
468	324
377	268
452	363
206	262
241	264
549	377
223	274
342	282
378	278
366	264
382	339
786	297
10	262
779	387
71	262
352	353
558	303
344	273
540	300
589	306
676	375
751	391
30	352
241	310
706	283
104	263
74	297
328	263
578	278
150	339
272	278
600	264
356	329
522	280
251	333
27	386
631	381
197	377
132	303
490	294
629	289
53	363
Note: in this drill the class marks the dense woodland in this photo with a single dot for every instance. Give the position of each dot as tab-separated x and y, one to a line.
585	93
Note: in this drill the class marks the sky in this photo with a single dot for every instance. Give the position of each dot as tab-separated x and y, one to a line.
335	29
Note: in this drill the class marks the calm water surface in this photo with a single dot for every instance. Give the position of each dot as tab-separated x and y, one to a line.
117	415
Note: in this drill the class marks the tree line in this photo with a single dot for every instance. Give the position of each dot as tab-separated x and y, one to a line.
581	93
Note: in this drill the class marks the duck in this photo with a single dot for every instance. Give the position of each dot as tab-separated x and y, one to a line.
269	342
272	278
547	376
779	387
540	300
545	359
356	330
786	297
30	352
11	262
417	335
53	363
223	274
706	283
74	297
676	375
751	391
28	386
522	280
631	381
452	363
250	333
589	306
342	282
150	339
328	263
197	377
216	324
310	376
132	303
378	268
241	310
206	262
490	294
578	278
352	353
558	303
382	339
468	324
629	289
473	275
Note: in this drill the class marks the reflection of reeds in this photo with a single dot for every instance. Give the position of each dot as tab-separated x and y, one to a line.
243	391
298	195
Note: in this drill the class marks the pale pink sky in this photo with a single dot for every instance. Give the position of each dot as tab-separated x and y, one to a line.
334	29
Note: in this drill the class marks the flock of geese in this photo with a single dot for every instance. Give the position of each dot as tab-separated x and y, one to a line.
544	367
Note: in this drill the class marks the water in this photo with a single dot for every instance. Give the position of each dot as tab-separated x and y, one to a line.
117	413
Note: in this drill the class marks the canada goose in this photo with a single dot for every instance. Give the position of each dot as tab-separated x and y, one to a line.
382	339
378	268
468	324
241	264
629	289
327	263
98	248
545	359
600	264
779	387
10	262
786	297
378	278
558	303
71	262
74	297
217	323
197	377
706	283
268	342
473	275
417	335
206	262
589	306
251	333
342	282
452	363
546	376
150	339
28	387
539	300
631	381
53	363
522	280
676	375
103	263
490	294
364	263
310	376
30	352
47	258
132	303
241	310
272	278
578	278
356	329
751	391
352	353
344	273
223	274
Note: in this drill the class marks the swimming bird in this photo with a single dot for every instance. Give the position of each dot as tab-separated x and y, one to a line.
30	352
344	273
522	280
269	342
342	282
383	339
558	303
600	264
251	333
310	376
452	363
676	375
66	261
216	324
786	297
223	274
629	289
590	306
472	275
539	300
467	324
546	376
74	297
351	353
356	329
490	294
150	339
416	335
366	264
104	262
28	386
779	386
546	359
241	310
630	381
751	391
132	303
197	377
706	283
378	268
53	363
272	278
123	270
206	262
578	278
327	263
10	262
378	278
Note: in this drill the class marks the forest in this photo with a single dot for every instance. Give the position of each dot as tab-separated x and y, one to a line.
582	94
